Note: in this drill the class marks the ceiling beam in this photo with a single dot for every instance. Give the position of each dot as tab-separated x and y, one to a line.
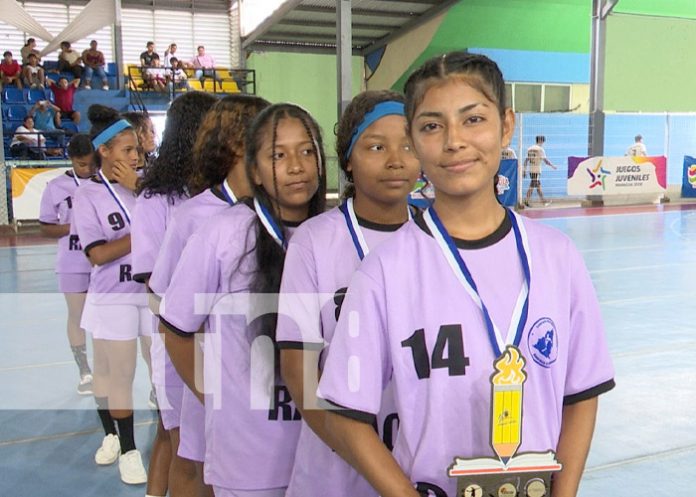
328	24
270	21
356	12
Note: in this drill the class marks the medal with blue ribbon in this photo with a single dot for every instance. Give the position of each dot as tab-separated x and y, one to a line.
228	193
354	229
269	223
75	178
114	195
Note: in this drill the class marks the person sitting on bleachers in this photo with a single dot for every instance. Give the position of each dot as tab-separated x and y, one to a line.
27	142
28	49
156	76
178	80
64	96
33	74
10	71
205	67
94	64
149	55
69	60
169	54
44	114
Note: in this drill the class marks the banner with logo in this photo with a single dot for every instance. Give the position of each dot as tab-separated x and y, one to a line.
689	179
507	182
616	175
28	185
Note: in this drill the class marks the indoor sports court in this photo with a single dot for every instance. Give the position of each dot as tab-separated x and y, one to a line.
602	88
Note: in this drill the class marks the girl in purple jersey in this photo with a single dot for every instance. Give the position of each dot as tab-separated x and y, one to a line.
218	173
375	155
161	190
251	423
414	317
72	266
115	311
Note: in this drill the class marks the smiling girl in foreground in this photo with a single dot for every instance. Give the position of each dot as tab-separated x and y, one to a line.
426	309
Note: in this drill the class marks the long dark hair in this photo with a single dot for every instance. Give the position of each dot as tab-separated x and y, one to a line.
354	114
140	120
270	257
101	117
219	143
170	173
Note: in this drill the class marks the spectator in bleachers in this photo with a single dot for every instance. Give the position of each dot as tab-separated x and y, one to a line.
10	71
33	74
177	78
156	76
169	54
149	55
28	49
205	67
94	62
44	114
65	94
69	60
27	142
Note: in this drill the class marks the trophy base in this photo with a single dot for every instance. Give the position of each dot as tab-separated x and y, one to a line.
505	484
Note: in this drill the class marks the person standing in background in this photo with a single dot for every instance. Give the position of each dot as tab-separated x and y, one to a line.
536	155
638	149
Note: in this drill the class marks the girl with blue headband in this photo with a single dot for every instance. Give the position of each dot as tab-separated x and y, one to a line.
116	311
376	157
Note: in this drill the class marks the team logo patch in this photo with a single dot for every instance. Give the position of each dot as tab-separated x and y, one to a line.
542	341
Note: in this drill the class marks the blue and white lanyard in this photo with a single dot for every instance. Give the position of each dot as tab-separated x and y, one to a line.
75	179
228	193
269	223
458	266
114	195
356	233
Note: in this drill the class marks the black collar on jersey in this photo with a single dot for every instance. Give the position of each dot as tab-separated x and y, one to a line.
216	191
96	179
291	224
499	233
377	226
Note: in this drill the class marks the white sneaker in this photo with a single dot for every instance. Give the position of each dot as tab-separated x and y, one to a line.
87	87
85	385
105	87
130	465
109	451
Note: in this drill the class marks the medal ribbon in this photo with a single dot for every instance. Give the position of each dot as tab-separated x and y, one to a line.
75	178
461	271
114	195
271	226
356	233
228	193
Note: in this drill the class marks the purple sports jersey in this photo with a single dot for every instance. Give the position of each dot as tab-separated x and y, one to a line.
150	219
251	424
412	322
320	261
99	219
56	208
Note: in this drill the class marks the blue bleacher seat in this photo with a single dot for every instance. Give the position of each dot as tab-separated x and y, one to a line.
13	96
49	94
16	112
34	95
69	126
50	65
55	77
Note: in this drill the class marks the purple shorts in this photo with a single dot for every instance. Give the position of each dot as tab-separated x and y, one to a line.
192	429
169	403
73	282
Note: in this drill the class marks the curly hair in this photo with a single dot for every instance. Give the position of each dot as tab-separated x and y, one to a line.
354	114
220	140
140	120
170	172
101	117
80	146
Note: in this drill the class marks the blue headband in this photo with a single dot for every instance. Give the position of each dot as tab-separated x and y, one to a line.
388	108
108	133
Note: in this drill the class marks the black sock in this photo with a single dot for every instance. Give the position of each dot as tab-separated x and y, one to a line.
105	416
80	355
125	434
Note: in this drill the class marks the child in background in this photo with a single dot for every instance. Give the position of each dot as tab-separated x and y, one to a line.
115	311
474	268
176	76
251	423
376	157
72	266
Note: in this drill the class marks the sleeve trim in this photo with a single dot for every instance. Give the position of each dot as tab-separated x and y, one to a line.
289	344
141	277
589	393
92	245
48	223
362	416
175	330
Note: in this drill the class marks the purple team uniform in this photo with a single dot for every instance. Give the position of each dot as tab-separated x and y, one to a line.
410	307
116	306
251	424
183	224
321	260
72	266
150	219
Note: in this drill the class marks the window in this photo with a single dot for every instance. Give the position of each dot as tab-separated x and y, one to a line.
531	97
